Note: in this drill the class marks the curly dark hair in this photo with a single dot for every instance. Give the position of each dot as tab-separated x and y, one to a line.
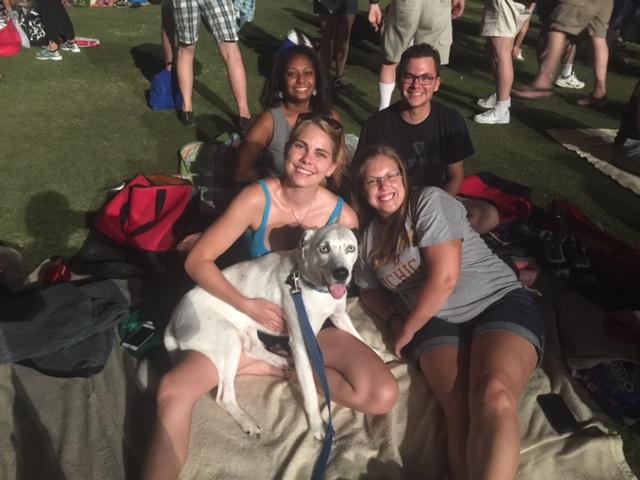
421	50
275	84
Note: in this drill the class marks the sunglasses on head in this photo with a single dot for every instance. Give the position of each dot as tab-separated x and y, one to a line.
333	123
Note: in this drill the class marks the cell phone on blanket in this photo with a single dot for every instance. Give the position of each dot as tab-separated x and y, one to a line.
139	337
557	412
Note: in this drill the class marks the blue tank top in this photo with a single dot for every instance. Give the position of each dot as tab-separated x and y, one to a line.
255	240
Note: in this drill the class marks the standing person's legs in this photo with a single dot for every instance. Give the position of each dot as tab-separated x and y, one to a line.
400	25
516	53
328	26
221	19
168	34
445	369
51	21
597	28
186	14
501	22
186	55
230	52
341	42
600	62
501	48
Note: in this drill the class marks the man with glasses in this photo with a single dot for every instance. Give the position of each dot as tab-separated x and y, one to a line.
407	22
431	139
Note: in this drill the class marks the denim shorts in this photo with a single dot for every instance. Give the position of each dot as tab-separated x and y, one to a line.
516	312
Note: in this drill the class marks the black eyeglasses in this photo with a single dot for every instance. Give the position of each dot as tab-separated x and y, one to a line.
425	80
333	123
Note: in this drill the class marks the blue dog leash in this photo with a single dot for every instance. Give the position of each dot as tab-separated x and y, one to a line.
315	355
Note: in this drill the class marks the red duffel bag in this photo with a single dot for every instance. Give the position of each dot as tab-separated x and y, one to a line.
9	40
144	216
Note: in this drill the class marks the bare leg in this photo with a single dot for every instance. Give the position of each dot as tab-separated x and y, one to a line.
499	367
503	66
179	391
600	61
236	74
186	54
445	369
516	52
357	377
542	84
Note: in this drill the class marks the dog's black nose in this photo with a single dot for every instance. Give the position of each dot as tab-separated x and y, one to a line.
340	274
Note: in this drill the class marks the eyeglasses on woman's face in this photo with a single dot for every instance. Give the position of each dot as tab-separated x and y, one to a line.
389	177
424	80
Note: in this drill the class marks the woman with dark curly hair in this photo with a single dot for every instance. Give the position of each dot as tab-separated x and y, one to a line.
297	84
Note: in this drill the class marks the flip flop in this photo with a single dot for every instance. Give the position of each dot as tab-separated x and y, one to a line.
531	93
591	101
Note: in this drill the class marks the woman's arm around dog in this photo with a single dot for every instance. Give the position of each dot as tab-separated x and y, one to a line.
243	213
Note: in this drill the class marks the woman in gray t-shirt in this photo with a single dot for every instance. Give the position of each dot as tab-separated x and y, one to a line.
463	316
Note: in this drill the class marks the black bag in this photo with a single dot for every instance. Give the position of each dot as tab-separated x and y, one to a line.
31	22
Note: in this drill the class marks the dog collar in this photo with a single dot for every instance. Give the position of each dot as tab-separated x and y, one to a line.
294	279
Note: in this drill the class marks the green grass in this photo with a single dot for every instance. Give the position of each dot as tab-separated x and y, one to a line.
71	129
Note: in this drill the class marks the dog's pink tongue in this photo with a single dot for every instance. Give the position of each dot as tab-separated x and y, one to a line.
337	290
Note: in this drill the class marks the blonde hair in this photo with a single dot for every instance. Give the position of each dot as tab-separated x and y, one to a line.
333	128
396	237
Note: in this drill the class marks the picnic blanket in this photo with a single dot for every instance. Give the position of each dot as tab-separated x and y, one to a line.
97	427
596	146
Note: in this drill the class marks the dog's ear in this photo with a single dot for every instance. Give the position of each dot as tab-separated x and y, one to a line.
306	237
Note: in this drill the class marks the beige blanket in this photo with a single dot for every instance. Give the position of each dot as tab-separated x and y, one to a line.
596	146
96	428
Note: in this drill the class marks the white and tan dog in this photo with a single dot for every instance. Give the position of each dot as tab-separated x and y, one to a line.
206	324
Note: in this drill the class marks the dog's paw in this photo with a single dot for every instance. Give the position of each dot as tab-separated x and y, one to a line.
253	431
318	433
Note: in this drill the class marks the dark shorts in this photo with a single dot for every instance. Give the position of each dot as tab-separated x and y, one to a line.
516	312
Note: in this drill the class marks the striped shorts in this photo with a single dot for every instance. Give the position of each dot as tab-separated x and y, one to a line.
221	18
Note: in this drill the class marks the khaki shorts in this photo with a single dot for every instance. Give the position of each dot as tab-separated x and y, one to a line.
503	18
573	16
423	21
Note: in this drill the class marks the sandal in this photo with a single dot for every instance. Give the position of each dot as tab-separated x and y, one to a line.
591	101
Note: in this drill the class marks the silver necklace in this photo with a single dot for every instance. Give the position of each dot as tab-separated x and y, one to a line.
300	220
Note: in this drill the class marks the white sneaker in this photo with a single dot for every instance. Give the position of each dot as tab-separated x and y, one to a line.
488	102
493	117
570	81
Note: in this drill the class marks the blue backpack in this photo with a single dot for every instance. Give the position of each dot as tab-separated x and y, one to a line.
164	93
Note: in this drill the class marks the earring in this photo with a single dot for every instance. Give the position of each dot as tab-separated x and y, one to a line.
280	95
314	93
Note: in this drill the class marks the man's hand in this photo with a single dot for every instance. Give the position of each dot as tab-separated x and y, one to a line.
457	9
375	16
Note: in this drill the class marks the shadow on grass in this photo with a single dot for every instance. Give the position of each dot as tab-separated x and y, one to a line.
147	58
50	221
263	44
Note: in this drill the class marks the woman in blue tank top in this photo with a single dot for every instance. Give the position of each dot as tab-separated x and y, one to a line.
275	211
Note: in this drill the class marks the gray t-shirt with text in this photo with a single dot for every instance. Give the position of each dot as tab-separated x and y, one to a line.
484	278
